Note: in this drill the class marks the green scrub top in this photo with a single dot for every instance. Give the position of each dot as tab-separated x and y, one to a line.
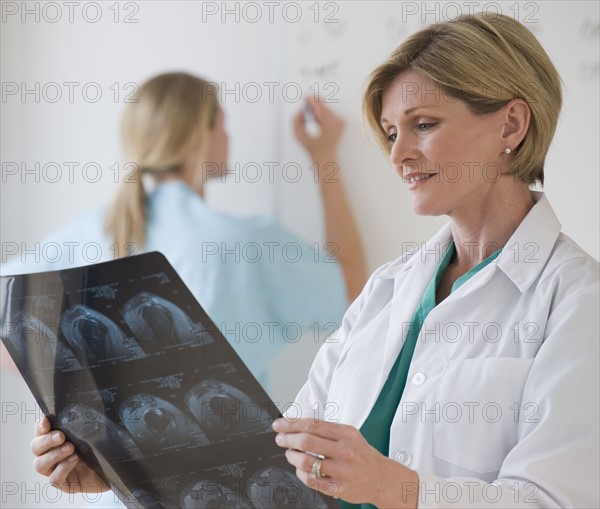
377	427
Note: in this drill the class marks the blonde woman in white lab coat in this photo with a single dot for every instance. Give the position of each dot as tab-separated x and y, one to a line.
466	373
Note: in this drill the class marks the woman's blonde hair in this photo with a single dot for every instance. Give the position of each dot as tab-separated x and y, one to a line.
485	60
169	114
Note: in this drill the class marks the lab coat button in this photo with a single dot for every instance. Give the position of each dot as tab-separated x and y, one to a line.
403	457
418	379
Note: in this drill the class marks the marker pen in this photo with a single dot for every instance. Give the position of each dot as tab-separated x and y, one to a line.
311	126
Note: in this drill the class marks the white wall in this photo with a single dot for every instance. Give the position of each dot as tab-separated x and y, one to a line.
238	54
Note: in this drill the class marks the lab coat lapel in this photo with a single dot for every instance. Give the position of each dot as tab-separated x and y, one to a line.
410	282
409	276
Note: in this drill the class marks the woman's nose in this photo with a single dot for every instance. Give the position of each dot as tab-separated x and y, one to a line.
403	149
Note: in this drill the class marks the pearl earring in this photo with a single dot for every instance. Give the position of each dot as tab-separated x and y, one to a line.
507	150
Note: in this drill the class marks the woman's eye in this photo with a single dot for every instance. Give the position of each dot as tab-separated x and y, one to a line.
391	138
425	126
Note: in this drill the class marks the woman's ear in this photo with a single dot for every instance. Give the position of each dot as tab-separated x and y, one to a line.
516	122
193	167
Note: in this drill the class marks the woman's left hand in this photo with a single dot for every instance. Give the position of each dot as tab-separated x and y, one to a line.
351	469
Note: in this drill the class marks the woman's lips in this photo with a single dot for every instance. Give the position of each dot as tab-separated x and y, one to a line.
417	179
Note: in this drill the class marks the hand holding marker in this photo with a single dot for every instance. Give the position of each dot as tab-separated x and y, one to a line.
311	126
319	130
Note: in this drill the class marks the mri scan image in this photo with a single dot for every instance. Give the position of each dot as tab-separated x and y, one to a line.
93	430
141	498
273	488
211	495
47	352
157	323
223	411
93	337
156	424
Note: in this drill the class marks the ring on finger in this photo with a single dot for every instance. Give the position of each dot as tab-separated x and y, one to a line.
315	471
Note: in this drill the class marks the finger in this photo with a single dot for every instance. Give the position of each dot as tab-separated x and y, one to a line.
298	124
47	463
323	429
319	109
326	116
44	443
42	426
327	485
307	442
58	477
305	462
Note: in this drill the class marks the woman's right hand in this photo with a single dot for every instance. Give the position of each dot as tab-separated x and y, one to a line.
56	459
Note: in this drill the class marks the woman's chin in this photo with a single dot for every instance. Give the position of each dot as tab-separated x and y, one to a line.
425	208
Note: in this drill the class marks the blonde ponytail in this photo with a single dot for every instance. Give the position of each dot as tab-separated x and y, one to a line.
170	114
126	220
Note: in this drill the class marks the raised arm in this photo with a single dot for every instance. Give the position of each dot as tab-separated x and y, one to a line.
340	228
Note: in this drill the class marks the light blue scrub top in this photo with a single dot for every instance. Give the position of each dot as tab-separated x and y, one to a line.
260	283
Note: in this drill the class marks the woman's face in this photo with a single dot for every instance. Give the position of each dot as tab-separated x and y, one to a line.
448	157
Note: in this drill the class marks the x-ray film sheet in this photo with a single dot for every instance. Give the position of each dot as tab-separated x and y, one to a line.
123	359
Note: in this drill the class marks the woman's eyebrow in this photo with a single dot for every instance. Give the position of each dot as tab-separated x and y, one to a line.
409	111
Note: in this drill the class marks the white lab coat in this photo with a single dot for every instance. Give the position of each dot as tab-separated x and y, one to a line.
503	386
